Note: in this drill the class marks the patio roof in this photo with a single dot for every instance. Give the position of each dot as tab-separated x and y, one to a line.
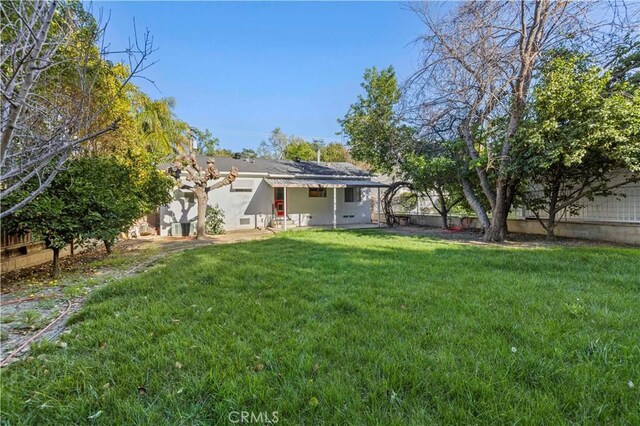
324	183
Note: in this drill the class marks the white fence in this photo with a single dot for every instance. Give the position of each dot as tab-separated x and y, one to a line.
623	208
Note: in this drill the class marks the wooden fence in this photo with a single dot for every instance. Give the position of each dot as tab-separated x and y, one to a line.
9	241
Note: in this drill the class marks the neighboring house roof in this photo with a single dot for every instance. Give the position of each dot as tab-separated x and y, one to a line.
284	168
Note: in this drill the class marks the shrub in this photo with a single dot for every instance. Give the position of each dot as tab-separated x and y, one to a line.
214	220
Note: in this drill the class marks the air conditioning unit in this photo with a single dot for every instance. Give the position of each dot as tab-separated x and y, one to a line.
183	229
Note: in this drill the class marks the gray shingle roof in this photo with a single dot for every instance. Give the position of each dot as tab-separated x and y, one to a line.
283	167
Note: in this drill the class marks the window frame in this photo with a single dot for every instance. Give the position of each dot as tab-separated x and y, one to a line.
317	192
356	194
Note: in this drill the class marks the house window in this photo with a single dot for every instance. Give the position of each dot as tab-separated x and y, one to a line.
318	192
352	195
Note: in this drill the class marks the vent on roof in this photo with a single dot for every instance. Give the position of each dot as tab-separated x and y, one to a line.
237	155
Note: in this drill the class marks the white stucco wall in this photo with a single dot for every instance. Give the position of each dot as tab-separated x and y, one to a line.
248	210
305	210
254	207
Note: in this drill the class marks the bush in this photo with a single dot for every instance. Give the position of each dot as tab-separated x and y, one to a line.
214	220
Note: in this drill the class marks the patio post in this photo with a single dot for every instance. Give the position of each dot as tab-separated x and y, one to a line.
334	207
285	208
378	207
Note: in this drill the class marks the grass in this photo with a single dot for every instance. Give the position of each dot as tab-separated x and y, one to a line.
349	328
30	317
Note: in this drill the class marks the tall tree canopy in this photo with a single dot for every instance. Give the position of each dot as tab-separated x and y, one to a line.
375	132
206	143
273	148
281	146
582	139
55	82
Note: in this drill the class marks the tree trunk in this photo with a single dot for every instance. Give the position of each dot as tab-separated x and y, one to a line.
553	206
108	246
551	226
445	222
475	204
497	231
55	267
202	198
512	190
443	209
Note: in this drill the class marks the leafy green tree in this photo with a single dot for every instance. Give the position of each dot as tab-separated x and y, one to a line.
206	143
438	177
335	152
375	132
52	216
161	131
584	129
120	193
298	148
625	65
291	147
94	198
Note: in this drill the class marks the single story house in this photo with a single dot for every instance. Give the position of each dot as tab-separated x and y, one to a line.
277	193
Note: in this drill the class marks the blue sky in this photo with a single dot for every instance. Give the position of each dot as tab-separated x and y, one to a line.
241	69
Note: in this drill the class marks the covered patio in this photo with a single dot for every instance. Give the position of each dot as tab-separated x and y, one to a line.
280	196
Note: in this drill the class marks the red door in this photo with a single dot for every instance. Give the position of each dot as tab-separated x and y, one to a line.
278	197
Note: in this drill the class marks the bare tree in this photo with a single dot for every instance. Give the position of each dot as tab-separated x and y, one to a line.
51	59
477	71
198	181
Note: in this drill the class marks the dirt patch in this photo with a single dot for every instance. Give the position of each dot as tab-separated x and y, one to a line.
474	236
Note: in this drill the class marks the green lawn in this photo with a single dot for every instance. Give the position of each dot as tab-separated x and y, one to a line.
349	328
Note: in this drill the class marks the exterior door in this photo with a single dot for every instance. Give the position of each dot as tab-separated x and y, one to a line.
278	197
